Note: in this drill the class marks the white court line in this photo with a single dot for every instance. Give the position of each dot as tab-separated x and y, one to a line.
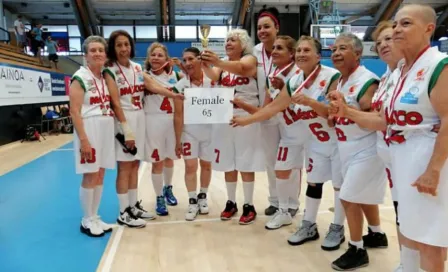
110	256
63	149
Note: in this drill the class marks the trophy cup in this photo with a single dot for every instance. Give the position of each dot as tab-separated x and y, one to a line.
205	31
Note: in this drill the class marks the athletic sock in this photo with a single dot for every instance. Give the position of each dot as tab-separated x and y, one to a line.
192	195
203	190
97	192
86	198
231	191
168	175
410	259
358	244
123	199
248	187
311	209
133	194
339	212
376	229
157	183
283	191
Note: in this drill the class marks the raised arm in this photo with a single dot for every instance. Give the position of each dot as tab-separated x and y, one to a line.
152	85
246	66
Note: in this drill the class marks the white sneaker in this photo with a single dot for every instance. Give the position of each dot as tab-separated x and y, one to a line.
104	226
193	210
128	218
280	219
139	212
91	228
202	202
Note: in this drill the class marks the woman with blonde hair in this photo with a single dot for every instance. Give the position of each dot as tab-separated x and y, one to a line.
160	140
237	149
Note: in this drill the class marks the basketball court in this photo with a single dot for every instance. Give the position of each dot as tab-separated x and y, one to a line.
40	215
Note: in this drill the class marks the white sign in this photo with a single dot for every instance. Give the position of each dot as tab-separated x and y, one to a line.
208	105
217	47
369	49
23	83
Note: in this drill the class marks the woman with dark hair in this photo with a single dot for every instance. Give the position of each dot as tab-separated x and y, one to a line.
160	139
127	82
193	141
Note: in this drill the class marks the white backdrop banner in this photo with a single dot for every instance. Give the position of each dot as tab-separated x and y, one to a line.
208	105
23	83
217	47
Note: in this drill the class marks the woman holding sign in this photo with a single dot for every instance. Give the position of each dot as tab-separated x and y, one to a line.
237	149
127	82
307	88
93	135
160	139
193	141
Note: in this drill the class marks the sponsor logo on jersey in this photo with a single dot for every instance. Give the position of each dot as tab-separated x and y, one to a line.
421	74
410	97
322	83
172	81
120	80
352	89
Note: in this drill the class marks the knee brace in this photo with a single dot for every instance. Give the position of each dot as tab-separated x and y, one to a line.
314	191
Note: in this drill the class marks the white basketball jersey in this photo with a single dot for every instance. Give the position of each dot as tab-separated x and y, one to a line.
273	93
184	83
264	68
159	104
246	89
353	89
96	95
384	91
317	125
130	83
409	108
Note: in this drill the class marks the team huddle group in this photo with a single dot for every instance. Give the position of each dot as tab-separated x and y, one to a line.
342	124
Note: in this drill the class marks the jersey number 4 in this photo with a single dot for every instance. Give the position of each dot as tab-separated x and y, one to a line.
166	105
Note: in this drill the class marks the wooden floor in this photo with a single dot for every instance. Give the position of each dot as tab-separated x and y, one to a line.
207	244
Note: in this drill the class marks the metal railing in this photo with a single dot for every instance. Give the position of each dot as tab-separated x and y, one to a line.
5	36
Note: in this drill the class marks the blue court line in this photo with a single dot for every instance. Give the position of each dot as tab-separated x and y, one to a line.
40	217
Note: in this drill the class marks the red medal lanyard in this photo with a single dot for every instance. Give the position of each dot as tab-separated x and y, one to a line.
284	69
103	94
264	63
121	71
311	77
399	87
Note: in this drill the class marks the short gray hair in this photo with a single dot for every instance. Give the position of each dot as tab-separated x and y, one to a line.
354	40
92	39
244	38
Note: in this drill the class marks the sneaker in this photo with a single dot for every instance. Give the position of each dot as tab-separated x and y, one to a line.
280	219
293	212
271	210
375	239
193	210
249	215
161	208
139	212
334	238
105	227
169	196
202	202
352	259
230	210
91	228
306	232
128	218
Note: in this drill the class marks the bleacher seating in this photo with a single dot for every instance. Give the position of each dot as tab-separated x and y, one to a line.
14	55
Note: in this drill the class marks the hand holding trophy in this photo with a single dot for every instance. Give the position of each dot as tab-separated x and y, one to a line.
205	31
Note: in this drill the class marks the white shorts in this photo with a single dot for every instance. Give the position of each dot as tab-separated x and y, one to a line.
100	132
136	121
423	218
290	156
324	164
384	153
271	138
160	139
196	143
238	148
364	178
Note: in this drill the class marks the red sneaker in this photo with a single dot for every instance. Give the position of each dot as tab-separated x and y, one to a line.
249	215
229	211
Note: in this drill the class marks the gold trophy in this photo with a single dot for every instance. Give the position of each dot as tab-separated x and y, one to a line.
205	31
